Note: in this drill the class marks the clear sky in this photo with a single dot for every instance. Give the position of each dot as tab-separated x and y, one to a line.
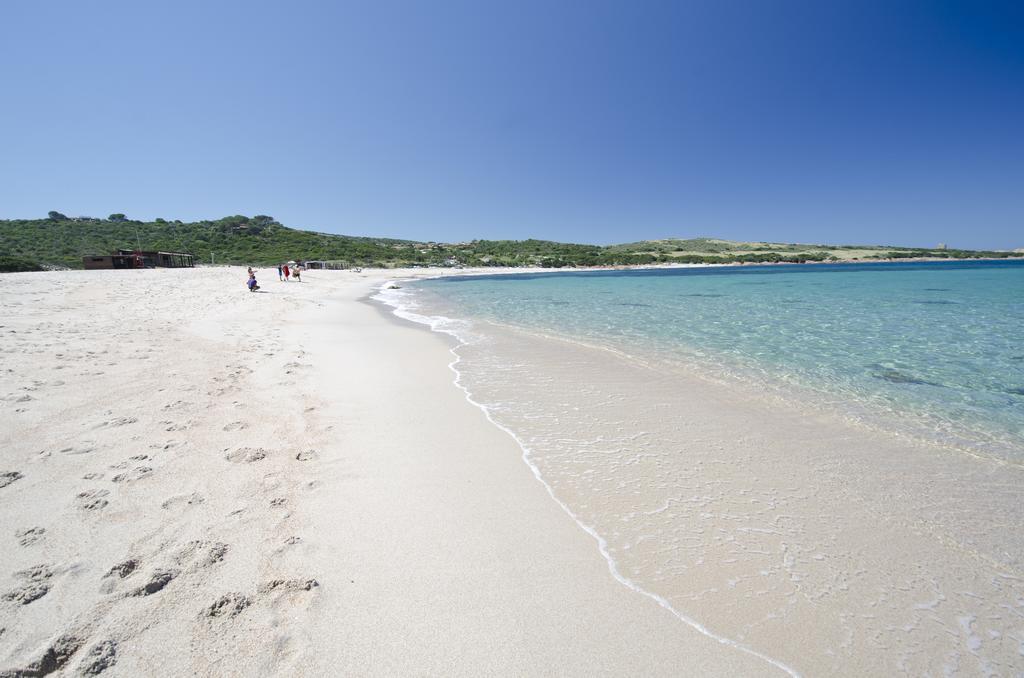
821	121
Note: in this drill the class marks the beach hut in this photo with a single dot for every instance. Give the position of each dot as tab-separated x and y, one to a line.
162	259
139	259
108	261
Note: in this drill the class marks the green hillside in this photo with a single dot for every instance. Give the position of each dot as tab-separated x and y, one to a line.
261	240
237	239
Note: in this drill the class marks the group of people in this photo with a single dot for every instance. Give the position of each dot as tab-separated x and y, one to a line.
283	273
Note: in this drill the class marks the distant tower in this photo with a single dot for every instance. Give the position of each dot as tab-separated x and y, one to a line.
941	246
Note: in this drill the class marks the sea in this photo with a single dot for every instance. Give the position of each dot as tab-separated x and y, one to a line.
599	375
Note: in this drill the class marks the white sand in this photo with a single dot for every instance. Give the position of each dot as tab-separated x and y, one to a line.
205	481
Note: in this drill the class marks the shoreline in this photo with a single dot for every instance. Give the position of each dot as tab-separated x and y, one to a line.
601	543
497	270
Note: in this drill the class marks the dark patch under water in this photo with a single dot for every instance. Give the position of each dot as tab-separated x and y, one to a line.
628	303
936	302
897	377
937	289
1016	391
699	294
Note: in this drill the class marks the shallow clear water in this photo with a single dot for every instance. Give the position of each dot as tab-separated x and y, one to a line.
704	454
934	348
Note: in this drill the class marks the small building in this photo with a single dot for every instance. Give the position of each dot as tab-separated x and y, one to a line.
108	261
162	259
139	259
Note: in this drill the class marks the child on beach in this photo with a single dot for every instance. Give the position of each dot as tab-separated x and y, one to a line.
251	284
286	272
280	273
296	273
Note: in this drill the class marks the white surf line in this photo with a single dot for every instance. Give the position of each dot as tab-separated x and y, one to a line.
602	545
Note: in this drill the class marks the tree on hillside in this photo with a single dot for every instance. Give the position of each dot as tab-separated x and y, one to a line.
117	217
56	216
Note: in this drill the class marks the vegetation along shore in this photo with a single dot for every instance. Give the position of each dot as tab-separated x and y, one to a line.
60	241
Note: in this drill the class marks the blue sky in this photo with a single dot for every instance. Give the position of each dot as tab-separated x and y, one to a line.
868	122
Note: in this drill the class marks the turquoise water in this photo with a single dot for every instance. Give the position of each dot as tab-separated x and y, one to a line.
933	348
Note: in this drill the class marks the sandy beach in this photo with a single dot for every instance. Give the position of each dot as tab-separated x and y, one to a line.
666	339
196	480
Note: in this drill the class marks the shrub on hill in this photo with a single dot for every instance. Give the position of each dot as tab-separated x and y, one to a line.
13	264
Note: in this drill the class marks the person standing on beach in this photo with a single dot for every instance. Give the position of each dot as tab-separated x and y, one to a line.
286	272
280	273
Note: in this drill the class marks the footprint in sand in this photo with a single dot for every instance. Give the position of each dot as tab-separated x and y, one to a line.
123	569
236	426
182	500
157	581
92	500
36	584
137	473
278	502
84	447
99	658
117	573
246	455
126	463
53	658
201	554
306	455
228	605
29	535
288	586
8	477
119	421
